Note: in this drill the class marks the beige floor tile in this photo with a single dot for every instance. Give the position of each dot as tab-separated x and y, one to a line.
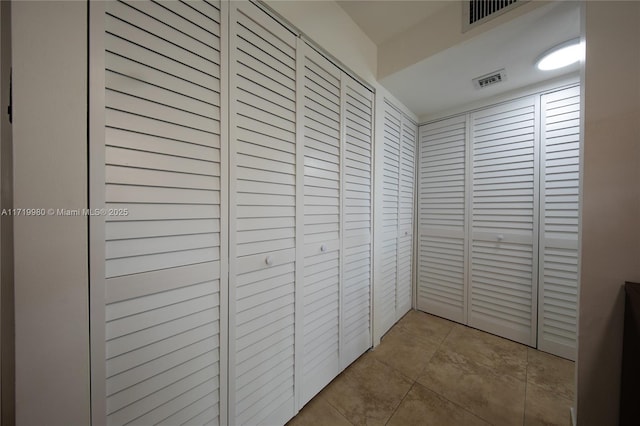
368	392
464	377
545	408
422	406
554	374
498	399
503	356
318	412
401	350
424	326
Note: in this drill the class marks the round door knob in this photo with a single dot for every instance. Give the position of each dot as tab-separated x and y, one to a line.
323	248
269	260
406	233
500	237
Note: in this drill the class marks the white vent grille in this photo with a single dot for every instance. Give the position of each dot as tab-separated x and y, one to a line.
476	12
490	79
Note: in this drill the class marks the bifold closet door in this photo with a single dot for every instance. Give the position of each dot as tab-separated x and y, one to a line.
441	219
390	214
406	208
398	185
163	247
560	184
357	220
322	188
262	202
504	221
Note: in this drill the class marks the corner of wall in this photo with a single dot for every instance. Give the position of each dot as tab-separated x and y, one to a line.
437	33
327	24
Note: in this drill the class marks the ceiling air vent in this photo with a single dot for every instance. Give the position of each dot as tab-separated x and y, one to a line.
475	12
490	79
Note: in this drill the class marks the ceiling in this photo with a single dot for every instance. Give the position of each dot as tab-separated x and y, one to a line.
443	81
382	20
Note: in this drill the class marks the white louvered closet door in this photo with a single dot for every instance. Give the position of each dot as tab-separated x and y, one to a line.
162	158
441	254
263	218
322	186
558	282
390	215
504	243
356	300
406	208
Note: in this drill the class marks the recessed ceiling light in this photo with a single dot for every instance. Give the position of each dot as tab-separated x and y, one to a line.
561	56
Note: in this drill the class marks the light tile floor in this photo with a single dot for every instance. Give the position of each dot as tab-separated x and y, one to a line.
430	371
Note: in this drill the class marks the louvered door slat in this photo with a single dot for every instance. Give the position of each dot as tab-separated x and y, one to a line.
560	186
321	138
405	216
392	136
263	202
503	246
162	164
357	219
441	219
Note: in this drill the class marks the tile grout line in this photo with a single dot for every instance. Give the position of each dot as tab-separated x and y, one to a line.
414	382
405	395
447	336
335	408
329	402
408	334
402	373
445	397
462	407
340	413
435	352
439	344
395	410
457	404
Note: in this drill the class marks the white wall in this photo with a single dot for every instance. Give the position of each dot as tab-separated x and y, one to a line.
552	84
331	27
435	34
611	201
50	158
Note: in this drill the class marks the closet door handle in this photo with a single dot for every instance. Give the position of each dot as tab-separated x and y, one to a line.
268	260
406	233
323	248
500	237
